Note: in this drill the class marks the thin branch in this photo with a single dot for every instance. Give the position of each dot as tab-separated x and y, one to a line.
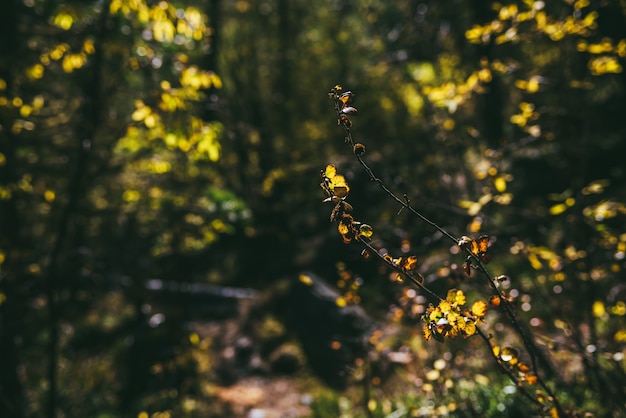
506	307
417	281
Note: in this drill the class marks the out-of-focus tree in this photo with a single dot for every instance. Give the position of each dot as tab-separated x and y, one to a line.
108	177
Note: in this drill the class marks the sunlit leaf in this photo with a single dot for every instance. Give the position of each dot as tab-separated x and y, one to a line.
346	97
330	171
343	228
558	209
366	231
500	184
531	379
598	309
409	263
534	262
494	301
483	244
509	354
479	308
426	332
444	306
470	328
63	21
459	298
595	187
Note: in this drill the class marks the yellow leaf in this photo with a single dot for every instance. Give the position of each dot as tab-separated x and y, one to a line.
500	184
509	354
63	21
534	262
339	186
459	298
366	231
598	309
88	47
36	71
427	333
131	195
163	31
25	111
49	195
558	209
330	171
479	308
305	279
484	199
533	85
595	187
150	121
476	224
444	306
474	209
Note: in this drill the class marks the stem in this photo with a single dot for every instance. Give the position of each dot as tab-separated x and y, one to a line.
416	281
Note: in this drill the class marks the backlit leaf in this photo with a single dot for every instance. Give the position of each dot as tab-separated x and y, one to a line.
494	300
330	171
346	97
598	309
479	308
558	209
500	184
470	328
509	354
531	379
409	263
366	231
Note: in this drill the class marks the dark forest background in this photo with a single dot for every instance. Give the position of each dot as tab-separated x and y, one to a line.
159	202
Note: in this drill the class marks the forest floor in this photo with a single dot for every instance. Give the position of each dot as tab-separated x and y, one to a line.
266	397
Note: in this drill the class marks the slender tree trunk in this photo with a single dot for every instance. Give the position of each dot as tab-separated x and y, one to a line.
86	130
211	59
12	308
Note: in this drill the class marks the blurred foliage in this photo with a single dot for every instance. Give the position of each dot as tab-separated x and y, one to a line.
183	141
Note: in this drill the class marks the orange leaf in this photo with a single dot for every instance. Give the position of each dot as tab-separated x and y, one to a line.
494	300
531	379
